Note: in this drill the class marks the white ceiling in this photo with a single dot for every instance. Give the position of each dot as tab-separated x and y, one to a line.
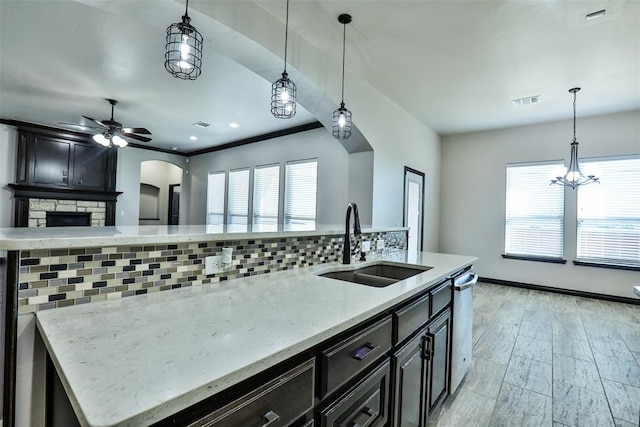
455	65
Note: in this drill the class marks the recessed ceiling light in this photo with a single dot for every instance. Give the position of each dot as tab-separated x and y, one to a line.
520	102
595	15
201	124
193	138
234	125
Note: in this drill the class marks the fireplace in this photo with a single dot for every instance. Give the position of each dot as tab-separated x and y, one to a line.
68	219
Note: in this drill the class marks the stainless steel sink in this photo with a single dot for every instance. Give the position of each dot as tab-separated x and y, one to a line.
377	275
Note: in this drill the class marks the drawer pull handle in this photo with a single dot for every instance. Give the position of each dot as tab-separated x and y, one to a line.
270	418
370	413
427	344
365	350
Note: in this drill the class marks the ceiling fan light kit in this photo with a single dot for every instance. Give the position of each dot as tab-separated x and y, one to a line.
341	122
183	49
284	91
113	134
573	176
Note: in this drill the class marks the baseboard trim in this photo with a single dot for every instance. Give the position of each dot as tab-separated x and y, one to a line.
571	292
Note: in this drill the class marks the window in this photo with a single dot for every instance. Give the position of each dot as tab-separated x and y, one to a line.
238	201
609	213
215	201
301	179
266	197
534	212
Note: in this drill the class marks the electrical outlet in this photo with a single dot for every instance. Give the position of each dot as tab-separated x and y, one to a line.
366	246
212	265
380	244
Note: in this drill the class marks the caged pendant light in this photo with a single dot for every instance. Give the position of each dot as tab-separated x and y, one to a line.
341	128
283	90
572	177
183	51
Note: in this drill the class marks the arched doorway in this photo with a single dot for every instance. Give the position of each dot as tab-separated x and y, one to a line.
160	184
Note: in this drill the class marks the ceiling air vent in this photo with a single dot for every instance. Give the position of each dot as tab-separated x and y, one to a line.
201	124
521	102
595	15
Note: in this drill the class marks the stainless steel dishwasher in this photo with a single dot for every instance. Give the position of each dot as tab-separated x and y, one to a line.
461	341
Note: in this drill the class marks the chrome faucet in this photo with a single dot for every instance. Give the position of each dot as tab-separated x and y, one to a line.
346	250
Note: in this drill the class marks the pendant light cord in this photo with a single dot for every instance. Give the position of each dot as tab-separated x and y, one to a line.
186	9
344	36
574	116
286	37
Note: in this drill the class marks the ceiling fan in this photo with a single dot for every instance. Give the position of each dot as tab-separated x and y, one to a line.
112	132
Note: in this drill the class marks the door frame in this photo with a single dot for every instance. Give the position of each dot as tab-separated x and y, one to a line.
407	169
170	208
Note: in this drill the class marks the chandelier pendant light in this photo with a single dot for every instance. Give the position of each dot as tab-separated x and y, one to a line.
341	123
183	50
572	177
283	90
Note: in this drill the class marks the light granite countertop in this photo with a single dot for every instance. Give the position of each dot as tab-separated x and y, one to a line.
135	361
74	237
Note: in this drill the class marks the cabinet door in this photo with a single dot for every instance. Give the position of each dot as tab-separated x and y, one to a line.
438	335
89	166
51	161
410	384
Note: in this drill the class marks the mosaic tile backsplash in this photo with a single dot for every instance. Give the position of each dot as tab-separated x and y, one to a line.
63	277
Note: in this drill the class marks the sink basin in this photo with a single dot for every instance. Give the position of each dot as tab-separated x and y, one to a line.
377	275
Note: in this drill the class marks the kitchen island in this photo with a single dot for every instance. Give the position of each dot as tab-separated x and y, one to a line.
136	361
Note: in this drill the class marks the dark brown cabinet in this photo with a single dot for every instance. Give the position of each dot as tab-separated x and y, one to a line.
366	404
421	365
411	373
279	402
65	162
438	340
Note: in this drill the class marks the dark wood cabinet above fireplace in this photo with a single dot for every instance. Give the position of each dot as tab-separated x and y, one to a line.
60	165
68	161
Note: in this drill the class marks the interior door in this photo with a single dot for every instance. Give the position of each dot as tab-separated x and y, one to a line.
413	208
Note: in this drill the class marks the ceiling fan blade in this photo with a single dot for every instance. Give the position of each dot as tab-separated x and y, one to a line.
79	126
98	122
136	130
138	137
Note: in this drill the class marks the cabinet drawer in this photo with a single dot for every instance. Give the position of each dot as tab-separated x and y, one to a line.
349	357
365	404
408	319
440	297
277	403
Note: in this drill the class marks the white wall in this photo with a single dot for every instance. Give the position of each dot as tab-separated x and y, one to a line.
361	184
128	181
333	170
160	174
473	196
8	153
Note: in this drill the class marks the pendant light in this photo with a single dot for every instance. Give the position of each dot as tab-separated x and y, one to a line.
183	51
283	90
572	177
341	128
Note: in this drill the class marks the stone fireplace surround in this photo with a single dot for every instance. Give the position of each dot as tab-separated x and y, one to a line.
38	209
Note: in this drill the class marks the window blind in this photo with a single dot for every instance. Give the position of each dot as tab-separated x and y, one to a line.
266	193
238	201
534	219
215	201
301	182
609	213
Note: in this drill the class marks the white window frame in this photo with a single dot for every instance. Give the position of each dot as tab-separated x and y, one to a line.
622	247
289	220
534	247
231	227
254	225
210	226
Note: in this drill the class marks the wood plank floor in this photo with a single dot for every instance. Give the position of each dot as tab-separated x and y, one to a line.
545	359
